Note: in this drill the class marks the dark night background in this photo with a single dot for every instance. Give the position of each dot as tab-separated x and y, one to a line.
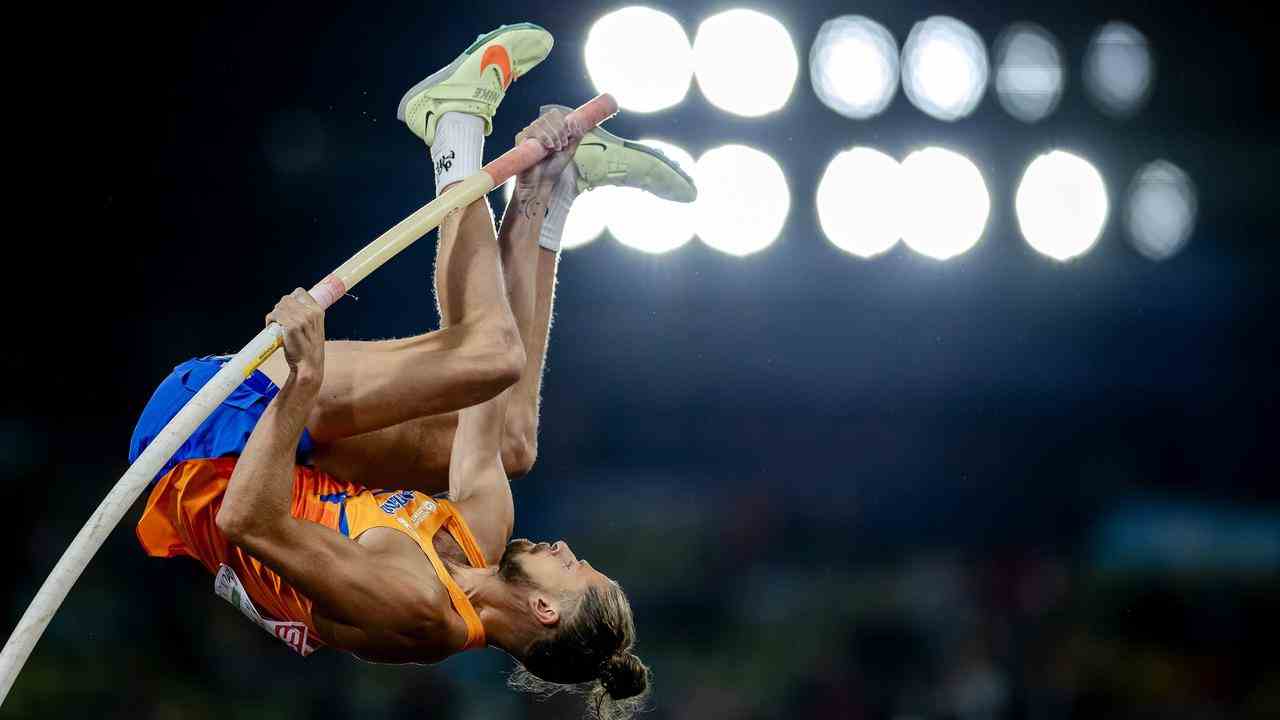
995	487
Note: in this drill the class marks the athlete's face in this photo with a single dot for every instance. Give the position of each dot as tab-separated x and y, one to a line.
549	566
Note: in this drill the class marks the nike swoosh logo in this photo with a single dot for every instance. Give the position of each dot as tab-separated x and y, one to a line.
602	146
497	55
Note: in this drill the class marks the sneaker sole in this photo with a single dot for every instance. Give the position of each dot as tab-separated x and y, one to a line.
440	75
657	155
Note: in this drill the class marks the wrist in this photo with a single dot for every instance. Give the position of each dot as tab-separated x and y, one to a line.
533	204
303	383
533	190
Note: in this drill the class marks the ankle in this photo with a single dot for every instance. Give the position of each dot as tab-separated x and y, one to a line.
559	203
458	149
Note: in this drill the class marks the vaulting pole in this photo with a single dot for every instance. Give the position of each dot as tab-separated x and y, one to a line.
139	475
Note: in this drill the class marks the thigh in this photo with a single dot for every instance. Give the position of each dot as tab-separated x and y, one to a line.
376	385
412	455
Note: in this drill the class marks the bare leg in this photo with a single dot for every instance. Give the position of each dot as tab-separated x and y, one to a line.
415	454
373	385
520	442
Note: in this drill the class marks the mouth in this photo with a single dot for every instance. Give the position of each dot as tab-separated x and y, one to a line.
561	550
558	549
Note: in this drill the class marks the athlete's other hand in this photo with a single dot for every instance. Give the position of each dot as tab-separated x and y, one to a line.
552	130
302	319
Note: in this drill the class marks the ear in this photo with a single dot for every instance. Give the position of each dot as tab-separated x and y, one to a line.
544	609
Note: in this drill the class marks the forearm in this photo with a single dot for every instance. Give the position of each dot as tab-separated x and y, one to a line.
259	495
477	481
338	575
518	239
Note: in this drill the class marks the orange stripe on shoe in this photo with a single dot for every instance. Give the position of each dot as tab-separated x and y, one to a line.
498	55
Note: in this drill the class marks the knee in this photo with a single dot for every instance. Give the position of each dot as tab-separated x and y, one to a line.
519	453
510	361
500	353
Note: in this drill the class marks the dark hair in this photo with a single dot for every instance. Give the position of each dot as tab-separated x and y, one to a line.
590	653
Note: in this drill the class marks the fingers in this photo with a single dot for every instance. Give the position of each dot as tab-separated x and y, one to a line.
304	298
550	130
301	321
572	146
575	128
296	309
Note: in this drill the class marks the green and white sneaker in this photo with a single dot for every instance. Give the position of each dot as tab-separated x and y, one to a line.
603	158
477	80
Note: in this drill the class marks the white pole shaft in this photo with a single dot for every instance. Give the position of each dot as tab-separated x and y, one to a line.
117	502
139	475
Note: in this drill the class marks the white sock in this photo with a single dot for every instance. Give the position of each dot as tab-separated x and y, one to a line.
562	195
458	149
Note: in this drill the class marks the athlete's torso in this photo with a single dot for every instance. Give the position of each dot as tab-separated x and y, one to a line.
394	526
440	632
400	529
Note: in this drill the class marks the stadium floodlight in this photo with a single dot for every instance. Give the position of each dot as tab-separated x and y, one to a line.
860	201
745	62
1118	69
944	67
743	199
588	215
1161	211
1029	72
853	66
946	204
643	221
1061	203
641	56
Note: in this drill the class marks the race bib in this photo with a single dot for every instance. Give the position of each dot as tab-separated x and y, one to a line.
293	634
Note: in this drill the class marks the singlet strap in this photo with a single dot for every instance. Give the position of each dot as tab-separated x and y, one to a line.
461	603
458	528
447	516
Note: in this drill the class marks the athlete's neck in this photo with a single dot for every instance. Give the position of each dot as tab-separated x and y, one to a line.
503	609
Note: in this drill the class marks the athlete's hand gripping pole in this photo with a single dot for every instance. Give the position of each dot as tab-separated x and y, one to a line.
86	543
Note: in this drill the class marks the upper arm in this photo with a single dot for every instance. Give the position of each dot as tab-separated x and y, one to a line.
478	483
344	580
487	506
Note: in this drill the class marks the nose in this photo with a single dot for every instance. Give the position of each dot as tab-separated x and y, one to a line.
562	548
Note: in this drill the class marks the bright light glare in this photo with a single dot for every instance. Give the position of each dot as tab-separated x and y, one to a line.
1118	69
641	56
1162	210
645	222
1028	72
944	67
854	66
745	62
946	203
588	215
859	201
1061	205
743	199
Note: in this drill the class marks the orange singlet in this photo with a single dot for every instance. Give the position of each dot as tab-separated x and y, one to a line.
179	519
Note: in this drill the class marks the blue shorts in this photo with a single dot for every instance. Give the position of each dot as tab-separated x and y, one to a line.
226	431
